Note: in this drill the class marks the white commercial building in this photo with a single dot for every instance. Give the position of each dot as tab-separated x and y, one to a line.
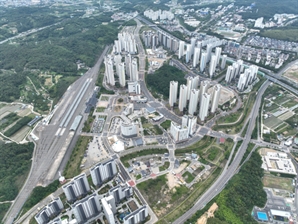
129	130
134	88
173	93
193	102
182	97
178	132
204	106
215	97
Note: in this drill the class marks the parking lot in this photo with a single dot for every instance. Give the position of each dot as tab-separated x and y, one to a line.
98	124
95	153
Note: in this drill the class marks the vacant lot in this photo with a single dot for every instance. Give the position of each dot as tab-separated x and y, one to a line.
272	122
278	182
160	197
292	73
73	165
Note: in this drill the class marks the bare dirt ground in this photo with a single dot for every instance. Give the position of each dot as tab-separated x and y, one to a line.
172	179
292	73
225	95
209	214
263	151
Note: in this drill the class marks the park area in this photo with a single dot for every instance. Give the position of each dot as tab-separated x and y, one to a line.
278	182
280	110
14	119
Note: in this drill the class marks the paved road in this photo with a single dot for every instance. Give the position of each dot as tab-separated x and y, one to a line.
47	155
228	173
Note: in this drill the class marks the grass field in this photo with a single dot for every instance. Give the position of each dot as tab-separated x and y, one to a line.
272	122
164	166
278	182
160	197
100	109
166	124
188	177
73	165
189	201
213	153
281	34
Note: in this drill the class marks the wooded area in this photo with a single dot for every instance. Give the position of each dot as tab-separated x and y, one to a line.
56	50
15	162
242	193
160	80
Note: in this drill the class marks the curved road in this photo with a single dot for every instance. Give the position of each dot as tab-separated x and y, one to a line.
228	173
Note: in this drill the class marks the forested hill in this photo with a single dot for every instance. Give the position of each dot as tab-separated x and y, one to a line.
15	162
55	51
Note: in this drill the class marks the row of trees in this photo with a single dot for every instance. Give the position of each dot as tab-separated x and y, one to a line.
20	123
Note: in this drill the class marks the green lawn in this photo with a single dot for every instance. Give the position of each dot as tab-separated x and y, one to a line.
164	166
188	177
73	165
166	124
213	153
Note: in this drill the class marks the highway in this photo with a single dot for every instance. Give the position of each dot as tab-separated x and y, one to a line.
54	141
55	137
228	173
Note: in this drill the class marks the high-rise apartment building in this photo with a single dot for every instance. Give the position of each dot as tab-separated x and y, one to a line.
137	216
87	209
52	209
121	73
109	71
103	171
173	93
120	192
182	97
77	188
193	102
215	98
204	106
181	49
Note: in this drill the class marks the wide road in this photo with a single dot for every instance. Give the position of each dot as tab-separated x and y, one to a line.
53	139
228	173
